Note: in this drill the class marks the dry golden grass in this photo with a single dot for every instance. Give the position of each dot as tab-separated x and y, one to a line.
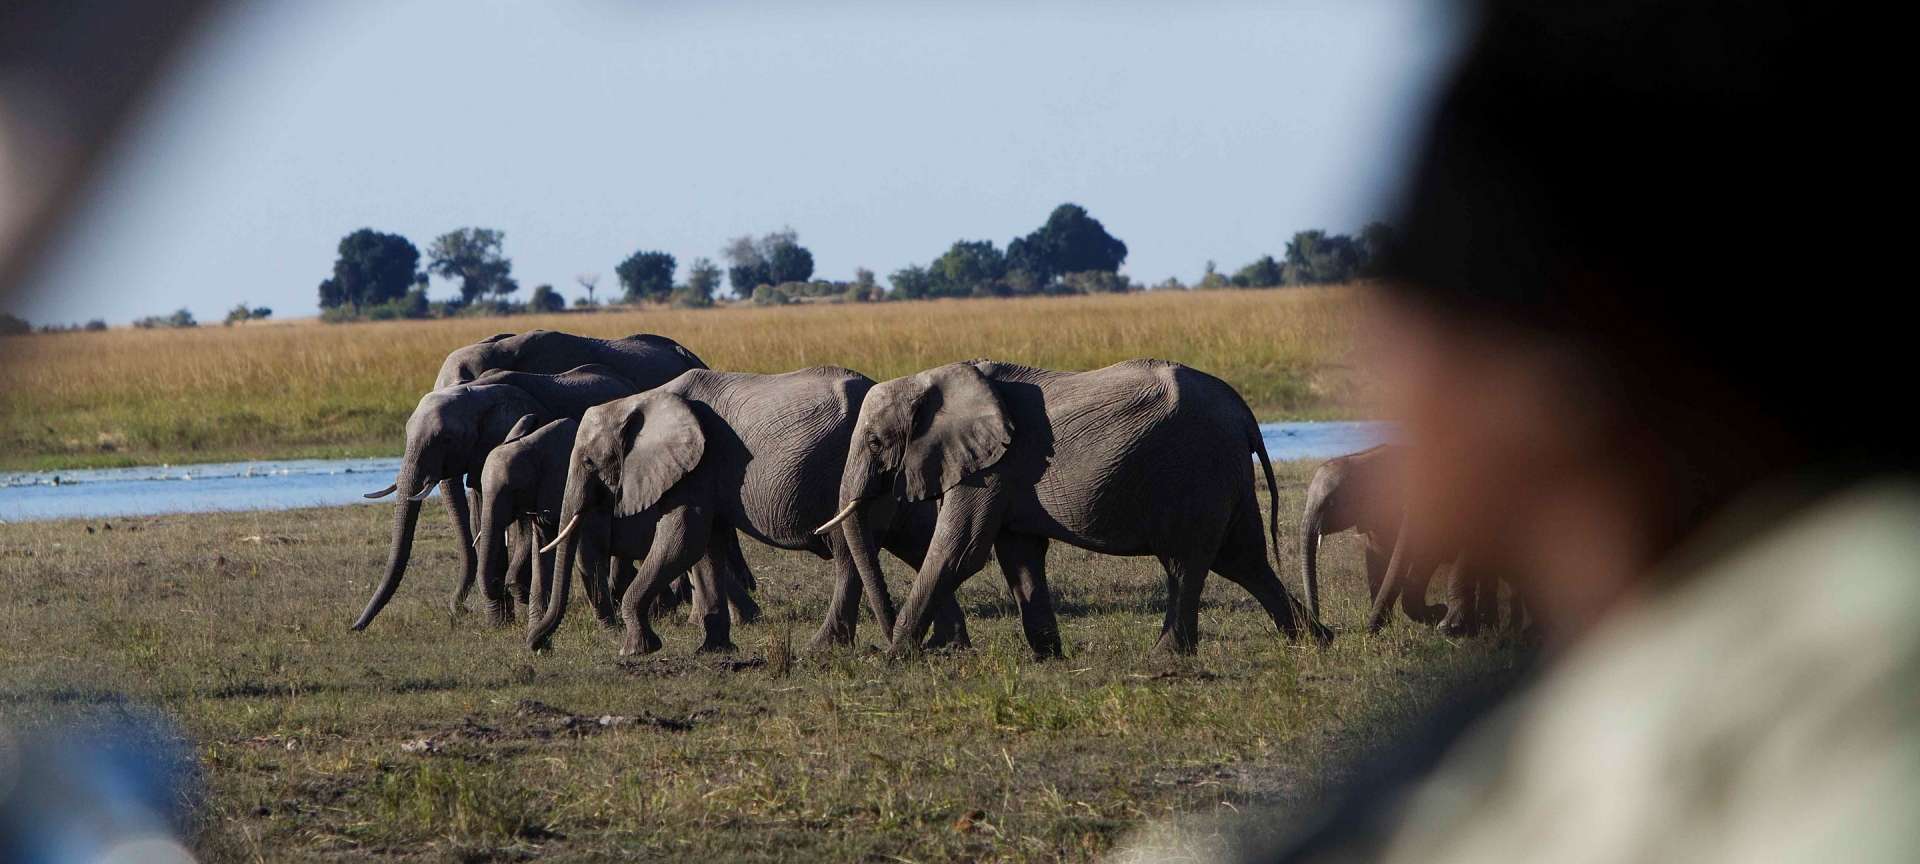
128	396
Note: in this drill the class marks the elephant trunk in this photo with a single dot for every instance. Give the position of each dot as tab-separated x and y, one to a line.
540	632
406	516
859	529
1318	494
540	635
496	517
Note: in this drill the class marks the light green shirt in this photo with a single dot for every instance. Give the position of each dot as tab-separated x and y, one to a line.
1765	709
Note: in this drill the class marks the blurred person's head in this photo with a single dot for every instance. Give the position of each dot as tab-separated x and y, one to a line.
1623	296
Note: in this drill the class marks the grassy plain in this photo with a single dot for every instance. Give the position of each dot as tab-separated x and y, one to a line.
127	397
236	625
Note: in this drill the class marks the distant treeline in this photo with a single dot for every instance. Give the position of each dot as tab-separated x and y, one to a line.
381	276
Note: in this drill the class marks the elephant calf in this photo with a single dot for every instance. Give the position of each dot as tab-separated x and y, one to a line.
1143	457
1361	492
520	490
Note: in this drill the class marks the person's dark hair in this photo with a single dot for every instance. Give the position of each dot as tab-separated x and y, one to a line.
1664	188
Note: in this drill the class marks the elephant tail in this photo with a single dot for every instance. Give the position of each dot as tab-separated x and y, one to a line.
1259	447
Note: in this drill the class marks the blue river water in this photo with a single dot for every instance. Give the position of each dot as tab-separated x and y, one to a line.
281	485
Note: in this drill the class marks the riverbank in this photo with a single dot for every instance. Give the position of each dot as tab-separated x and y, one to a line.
425	739
313	390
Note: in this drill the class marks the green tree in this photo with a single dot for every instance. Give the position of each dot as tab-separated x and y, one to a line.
243	313
473	256
545	299
703	279
1317	257
647	276
370	268
13	325
1070	242
96	325
911	282
771	259
1264	272
767	295
969	268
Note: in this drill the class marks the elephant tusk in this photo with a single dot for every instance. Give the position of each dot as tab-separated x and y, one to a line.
382	493
425	490
838	517
561	536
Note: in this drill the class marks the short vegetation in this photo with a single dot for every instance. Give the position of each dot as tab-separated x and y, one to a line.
430	739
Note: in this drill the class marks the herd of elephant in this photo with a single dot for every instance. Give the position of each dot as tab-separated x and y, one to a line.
629	462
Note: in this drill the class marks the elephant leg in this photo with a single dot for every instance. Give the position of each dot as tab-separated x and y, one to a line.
1463	605
456	494
1186	579
624	572
949	624
1376	569
843	613
710	605
520	552
679	541
1242	560
736	578
1413	601
1023	560
969	519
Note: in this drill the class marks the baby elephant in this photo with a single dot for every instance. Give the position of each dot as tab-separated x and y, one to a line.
1361	492
1140	458
520	495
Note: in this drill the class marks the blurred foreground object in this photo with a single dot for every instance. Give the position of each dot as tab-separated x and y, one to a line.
114	791
1768	709
1709	499
71	73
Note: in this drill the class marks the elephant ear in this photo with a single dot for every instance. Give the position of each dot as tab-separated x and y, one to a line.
960	428
522	428
667	444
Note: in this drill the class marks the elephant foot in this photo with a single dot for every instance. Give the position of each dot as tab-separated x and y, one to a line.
746	616
1458	622
500	615
831	635
713	647
1170	644
640	643
1426	614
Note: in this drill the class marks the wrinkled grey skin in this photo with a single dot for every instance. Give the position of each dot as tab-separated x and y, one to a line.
643	358
1140	458
520	495
449	436
655	475
1361	492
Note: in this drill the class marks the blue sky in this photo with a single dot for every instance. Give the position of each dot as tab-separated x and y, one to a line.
881	132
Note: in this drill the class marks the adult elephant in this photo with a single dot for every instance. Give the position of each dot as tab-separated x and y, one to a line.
1143	457
520	496
449	436
653	477
645	359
